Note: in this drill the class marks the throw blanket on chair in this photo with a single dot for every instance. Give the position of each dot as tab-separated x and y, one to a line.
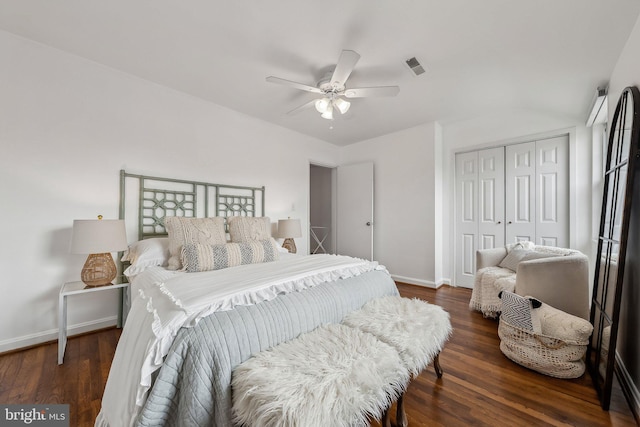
488	283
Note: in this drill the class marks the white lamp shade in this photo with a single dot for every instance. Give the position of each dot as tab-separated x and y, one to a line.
322	104
328	114
341	105
289	228
96	236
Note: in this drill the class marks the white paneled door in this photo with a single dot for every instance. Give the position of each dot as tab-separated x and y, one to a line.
466	215
479	207
521	192
552	192
508	194
354	210
491	198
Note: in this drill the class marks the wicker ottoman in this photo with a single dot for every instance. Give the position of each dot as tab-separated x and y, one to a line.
553	342
332	376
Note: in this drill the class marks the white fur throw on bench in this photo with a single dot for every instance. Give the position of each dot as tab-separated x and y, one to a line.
416	329
332	376
341	375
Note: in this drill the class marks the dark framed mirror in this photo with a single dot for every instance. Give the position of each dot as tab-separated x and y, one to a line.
618	194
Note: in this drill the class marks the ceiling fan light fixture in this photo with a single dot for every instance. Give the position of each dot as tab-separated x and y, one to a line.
322	104
328	114
341	105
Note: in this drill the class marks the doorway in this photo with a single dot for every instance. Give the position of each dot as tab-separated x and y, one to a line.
321	210
341	210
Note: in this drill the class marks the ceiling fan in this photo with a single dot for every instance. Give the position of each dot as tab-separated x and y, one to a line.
332	88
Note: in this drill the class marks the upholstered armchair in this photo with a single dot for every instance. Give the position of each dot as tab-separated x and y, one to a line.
557	276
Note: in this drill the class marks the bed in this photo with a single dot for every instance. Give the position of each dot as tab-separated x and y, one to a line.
187	328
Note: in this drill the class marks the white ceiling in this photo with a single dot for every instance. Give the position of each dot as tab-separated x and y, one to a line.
481	56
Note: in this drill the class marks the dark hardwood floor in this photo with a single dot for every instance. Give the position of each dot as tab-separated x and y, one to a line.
480	386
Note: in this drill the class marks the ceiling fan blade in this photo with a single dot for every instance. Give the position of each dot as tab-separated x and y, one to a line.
346	63
302	107
365	92
296	85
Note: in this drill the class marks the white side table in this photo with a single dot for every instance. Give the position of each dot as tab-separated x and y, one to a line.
75	288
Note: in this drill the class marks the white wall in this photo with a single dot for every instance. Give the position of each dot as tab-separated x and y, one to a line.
404	211
67	126
627	73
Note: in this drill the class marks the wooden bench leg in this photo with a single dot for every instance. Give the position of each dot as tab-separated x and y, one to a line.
401	415
436	365
386	421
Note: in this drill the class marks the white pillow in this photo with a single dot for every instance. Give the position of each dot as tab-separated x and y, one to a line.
184	231
516	256
249	229
147	253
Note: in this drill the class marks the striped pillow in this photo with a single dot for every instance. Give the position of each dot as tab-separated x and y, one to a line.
203	257
518	311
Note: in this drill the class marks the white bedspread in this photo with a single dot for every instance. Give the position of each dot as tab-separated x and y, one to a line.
169	300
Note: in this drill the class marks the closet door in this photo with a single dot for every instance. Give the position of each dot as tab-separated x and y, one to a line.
552	192
537	192
491	198
466	217
479	208
520	192
508	194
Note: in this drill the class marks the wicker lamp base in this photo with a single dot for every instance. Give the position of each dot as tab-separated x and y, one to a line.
290	245
99	270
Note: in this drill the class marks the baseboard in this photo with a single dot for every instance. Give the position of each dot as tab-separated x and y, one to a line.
628	387
444	281
52	334
420	282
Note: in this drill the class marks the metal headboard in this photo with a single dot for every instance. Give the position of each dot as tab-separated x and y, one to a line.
159	197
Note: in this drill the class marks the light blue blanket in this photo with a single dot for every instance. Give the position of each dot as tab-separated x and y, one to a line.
193	388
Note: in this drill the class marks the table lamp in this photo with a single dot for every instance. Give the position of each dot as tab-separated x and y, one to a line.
289	229
98	238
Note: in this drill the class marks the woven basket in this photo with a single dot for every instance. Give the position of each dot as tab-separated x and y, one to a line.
547	355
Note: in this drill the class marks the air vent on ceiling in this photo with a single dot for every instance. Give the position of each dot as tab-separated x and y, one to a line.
415	66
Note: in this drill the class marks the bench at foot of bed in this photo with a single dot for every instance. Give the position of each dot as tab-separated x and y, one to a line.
342	375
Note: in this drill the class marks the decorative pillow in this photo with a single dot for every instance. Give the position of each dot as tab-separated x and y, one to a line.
184	231
202	257
249	229
523	244
513	258
516	256
517	310
147	253
564	326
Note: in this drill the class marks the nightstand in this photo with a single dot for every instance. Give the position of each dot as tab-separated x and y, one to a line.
76	288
